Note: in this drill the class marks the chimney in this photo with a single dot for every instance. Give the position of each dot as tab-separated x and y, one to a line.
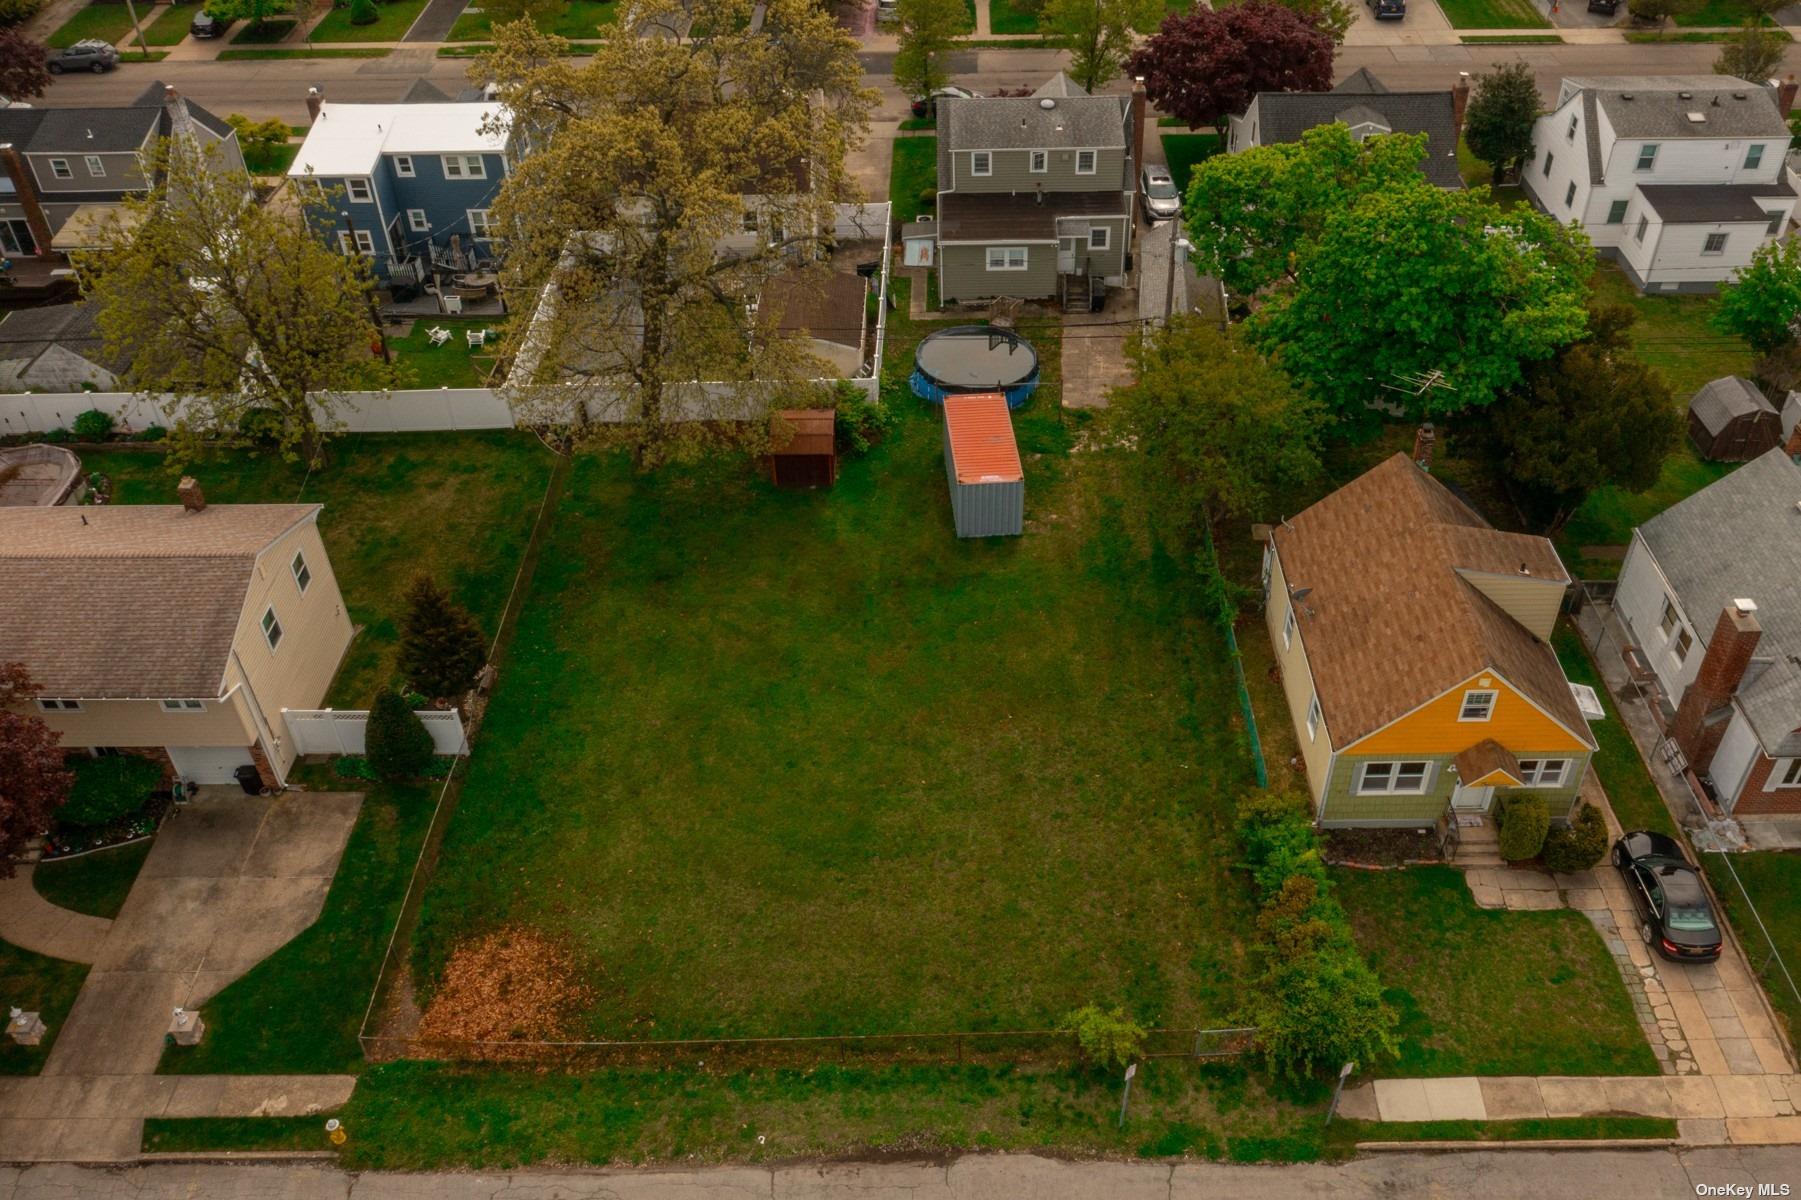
1785	95
1137	111
1460	101
192	498
1700	719
28	198
314	98
1424	438
1792	447
181	121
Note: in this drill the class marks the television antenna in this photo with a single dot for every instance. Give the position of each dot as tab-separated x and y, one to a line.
1421	382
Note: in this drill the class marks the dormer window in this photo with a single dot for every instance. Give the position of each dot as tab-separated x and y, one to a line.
1084	162
1647	157
981	162
1477	706
1753	156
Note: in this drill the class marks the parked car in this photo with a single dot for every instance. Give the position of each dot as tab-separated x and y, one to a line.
1675	915
1158	191
89	54
206	25
1387	10
1608	7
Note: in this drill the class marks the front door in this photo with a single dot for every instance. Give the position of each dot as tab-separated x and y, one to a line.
1066	256
1472	799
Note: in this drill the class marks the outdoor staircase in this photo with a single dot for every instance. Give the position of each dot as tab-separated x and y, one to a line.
1078	293
1477	845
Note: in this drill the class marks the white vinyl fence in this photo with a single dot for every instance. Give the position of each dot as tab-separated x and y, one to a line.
406	411
341	731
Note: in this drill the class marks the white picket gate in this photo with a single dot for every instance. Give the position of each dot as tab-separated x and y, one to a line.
342	731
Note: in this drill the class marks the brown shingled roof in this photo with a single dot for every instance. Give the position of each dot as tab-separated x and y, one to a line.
1389	623
132	601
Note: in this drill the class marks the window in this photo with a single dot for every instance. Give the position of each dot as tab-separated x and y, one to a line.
1753	156
302	576
403	166
1099	237
1685	642
750	220
1006	258
358	190
1394	778
1644	223
981	162
95	165
1544	772
365	242
1549	159
1715	244
59	705
59	167
183	706
1040	162
1569	135
1477	706
1647	157
1569	194
271	627
465	166
1084	162
481	225
417	221
1669	620
1616	212
1288	627
1777	221
1313	716
1786	773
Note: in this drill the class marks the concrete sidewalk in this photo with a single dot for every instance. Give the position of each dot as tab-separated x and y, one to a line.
32	922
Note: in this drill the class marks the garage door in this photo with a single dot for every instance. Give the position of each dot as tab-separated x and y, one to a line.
208	764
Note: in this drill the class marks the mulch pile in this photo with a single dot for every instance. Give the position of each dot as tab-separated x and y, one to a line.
513	985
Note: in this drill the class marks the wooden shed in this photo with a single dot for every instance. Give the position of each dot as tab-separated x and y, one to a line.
1729	420
809	458
981	461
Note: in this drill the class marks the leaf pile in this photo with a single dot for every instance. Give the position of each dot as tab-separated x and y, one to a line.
512	985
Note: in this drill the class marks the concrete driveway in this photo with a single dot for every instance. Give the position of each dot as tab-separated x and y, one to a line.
1424	24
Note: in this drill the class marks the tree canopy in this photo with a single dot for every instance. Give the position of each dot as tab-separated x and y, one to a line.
33	780
1498	123
1426	299
929	29
240	311
651	159
1204	65
1764	299
1098	34
1249	213
23	74
1753	52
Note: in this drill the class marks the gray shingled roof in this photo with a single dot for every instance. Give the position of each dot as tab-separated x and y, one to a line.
27	332
95	130
1019	122
1361	83
1710	203
1285	116
1717	403
1654	106
1741	537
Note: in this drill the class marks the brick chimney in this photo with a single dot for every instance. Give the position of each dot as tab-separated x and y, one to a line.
1460	101
1137	117
1697	729
27	191
181	121
1785	95
1792	447
192	498
314	98
1424	438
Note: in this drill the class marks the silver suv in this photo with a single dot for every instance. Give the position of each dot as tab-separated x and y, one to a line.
90	54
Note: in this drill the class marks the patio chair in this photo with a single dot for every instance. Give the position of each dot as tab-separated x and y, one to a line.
437	335
476	337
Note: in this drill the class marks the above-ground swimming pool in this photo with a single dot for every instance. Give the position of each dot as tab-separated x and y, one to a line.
975	358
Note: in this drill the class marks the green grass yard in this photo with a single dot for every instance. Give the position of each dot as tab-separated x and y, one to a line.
1773	880
915	170
1717	13
171	24
1004	16
575	20
1184	150
1485	992
96	883
394	18
455	364
1493	14
262	33
107	20
1630	789
458	505
36	983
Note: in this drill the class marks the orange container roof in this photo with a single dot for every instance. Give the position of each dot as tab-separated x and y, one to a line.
981	436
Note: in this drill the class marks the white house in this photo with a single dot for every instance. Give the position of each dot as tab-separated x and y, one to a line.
1678	178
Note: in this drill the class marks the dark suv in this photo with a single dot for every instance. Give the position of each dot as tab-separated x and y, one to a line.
206	25
1387	10
89	54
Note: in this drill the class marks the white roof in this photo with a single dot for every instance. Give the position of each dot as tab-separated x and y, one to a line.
347	139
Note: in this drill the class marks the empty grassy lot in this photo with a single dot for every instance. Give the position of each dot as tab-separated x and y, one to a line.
393	19
804	763
914	171
575	20
107	20
1483	992
460	505
1493	14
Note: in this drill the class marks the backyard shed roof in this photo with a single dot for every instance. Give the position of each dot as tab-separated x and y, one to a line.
814	431
1391	622
1721	402
981	438
131	601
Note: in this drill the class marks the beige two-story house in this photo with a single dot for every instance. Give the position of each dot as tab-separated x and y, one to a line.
177	631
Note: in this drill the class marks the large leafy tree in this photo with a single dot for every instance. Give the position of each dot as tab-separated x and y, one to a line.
1426	298
1764	301
1218	430
1249	214
650	157
1498	123
22	71
1205	65
33	781
241	312
929	30
1098	34
1590	416
1753	52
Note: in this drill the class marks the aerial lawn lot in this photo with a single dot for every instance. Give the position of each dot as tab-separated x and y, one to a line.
1484	992
1493	14
575	20
96	883
915	171
804	763
459	505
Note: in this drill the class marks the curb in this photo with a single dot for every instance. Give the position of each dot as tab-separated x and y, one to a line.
1545	1144
233	1156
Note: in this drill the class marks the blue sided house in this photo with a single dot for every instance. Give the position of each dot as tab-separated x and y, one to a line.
410	186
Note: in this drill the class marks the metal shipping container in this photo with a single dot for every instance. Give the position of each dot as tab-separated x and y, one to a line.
981	463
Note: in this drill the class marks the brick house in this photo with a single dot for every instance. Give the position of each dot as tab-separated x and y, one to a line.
177	631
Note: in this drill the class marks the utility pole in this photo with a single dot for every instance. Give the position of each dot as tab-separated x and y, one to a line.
131	10
381	331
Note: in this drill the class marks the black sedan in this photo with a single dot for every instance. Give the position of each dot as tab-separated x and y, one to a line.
1675	916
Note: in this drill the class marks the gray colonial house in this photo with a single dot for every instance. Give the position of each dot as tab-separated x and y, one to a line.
1369	109
1034	195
